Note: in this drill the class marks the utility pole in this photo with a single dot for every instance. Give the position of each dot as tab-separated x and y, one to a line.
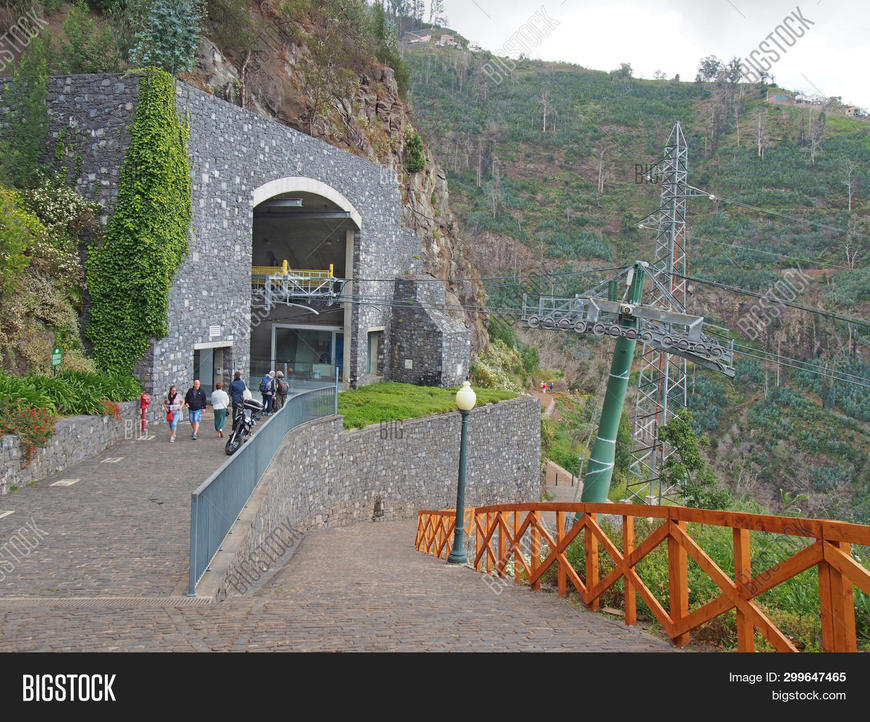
662	378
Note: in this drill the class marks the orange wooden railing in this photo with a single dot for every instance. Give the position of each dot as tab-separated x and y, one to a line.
435	531
505	526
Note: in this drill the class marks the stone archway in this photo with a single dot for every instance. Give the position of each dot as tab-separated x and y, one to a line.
312	227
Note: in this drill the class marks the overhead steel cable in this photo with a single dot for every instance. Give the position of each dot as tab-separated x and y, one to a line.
746	292
814	261
834	375
787	217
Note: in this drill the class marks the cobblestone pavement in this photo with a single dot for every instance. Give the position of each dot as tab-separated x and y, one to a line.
357	588
123	529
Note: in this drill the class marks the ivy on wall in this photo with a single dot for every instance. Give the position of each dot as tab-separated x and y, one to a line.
130	274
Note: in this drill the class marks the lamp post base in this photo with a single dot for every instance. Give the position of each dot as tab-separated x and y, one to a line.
457	554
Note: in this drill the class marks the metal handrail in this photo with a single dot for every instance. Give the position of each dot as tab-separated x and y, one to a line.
215	504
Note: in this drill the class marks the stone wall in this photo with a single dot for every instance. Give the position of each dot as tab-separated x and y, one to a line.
324	475
75	439
233	153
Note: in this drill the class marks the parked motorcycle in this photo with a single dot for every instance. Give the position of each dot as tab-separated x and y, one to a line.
243	424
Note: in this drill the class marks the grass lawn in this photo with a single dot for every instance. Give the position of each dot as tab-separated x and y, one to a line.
393	402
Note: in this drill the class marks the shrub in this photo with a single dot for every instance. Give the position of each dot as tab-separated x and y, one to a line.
18	230
90	45
34	425
415	161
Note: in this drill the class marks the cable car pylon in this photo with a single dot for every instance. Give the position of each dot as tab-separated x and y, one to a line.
627	319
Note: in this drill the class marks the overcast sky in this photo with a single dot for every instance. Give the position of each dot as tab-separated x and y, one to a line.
831	58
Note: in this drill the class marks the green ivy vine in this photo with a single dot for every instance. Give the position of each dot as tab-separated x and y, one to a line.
130	273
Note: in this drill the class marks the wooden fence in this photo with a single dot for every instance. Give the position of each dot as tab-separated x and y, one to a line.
511	539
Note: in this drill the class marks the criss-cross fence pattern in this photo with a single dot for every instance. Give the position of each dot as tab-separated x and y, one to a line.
511	539
216	503
435	531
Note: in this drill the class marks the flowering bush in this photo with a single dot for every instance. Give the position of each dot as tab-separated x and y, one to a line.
111	408
34	425
65	213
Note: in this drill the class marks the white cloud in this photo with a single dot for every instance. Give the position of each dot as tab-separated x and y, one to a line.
674	35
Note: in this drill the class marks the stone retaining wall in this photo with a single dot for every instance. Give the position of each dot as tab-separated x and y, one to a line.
324	475
75	439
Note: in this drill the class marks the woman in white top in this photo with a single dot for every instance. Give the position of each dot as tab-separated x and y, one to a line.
219	402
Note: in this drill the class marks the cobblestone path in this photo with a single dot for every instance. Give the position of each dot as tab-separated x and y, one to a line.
109	570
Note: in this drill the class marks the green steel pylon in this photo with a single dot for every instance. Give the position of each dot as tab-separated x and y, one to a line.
596	482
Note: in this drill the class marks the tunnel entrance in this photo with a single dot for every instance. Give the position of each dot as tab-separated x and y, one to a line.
302	252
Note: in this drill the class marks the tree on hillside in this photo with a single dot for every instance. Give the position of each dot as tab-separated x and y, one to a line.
762	133
815	132
709	68
436	13
623	71
170	38
545	105
26	120
728	91
686	469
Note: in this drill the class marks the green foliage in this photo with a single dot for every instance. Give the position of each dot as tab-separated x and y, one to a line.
130	274
502	330
390	401
18	231
415	161
231	25
70	393
706	402
65	214
387	47
622	458
26	120
128	19
686	468
170	38
28	405
90	45
496	368
850	398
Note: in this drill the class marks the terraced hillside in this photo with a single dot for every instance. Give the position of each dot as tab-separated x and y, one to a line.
546	172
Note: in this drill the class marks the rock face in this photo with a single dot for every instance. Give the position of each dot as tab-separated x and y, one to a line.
364	116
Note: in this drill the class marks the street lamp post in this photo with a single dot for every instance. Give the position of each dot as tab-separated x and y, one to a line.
465	400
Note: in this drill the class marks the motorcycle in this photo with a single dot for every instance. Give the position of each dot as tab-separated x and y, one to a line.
243	424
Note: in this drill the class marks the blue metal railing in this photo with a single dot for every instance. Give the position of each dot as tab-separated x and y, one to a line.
215	505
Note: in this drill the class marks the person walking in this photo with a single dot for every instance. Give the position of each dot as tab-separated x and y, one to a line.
195	402
267	389
237	393
219	402
172	406
281	389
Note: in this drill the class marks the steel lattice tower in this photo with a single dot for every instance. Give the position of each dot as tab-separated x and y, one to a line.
662	380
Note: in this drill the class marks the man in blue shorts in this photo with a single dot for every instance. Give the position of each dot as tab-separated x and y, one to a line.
195	401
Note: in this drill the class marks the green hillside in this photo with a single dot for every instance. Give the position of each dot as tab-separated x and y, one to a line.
567	193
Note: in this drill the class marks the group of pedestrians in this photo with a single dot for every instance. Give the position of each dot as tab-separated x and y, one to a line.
274	390
173	405
273	387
